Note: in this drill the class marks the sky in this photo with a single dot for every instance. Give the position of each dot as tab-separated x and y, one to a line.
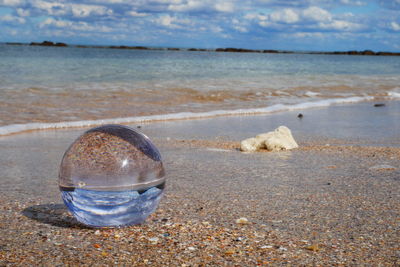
304	25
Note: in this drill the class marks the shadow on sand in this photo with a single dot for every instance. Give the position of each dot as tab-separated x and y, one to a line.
53	214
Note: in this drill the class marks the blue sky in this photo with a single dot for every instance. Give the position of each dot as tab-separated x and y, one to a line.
257	24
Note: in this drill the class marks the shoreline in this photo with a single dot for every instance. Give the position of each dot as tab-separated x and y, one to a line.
277	108
333	201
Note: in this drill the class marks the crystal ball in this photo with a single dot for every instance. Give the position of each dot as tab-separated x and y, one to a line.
111	176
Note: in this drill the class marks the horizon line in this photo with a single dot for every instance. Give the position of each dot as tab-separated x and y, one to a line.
218	49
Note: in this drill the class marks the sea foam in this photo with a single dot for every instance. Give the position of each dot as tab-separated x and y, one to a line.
17	128
393	94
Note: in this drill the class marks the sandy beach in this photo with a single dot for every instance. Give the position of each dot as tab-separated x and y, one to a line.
333	201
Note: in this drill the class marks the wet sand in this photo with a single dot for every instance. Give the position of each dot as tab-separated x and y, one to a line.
334	201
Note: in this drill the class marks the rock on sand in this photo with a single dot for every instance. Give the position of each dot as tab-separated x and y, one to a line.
279	139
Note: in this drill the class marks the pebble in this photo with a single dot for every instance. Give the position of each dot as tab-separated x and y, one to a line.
267	246
229	252
153	240
242	220
313	247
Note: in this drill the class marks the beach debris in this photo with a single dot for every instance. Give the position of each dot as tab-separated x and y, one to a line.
331	167
279	139
383	167
242	220
96	245
314	247
379	105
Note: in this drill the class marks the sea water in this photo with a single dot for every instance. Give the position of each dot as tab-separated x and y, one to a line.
71	84
112	208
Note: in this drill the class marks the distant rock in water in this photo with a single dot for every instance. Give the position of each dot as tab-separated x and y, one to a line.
197	49
48	43
300	116
379	105
271	51
277	140
14	43
237	50
128	47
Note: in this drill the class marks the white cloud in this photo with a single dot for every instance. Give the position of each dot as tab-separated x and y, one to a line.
11	2
224	6
340	25
56	9
56	23
165	20
239	26
286	15
12	19
291	16
395	26
167	1
308	35
77	26
310	19
187	6
76	10
216	29
264	23
80	11
111	1
171	22
134	13
253	16
354	3
316	14
23	12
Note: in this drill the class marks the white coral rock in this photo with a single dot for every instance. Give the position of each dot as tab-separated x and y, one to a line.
279	139
250	145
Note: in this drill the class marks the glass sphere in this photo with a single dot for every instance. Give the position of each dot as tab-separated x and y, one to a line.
111	176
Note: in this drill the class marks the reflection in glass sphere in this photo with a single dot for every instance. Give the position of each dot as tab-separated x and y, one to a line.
111	176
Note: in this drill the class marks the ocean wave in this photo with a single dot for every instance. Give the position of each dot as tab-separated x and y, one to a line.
394	94
17	128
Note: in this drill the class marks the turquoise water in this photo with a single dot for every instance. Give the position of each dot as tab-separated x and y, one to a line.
53	84
52	66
